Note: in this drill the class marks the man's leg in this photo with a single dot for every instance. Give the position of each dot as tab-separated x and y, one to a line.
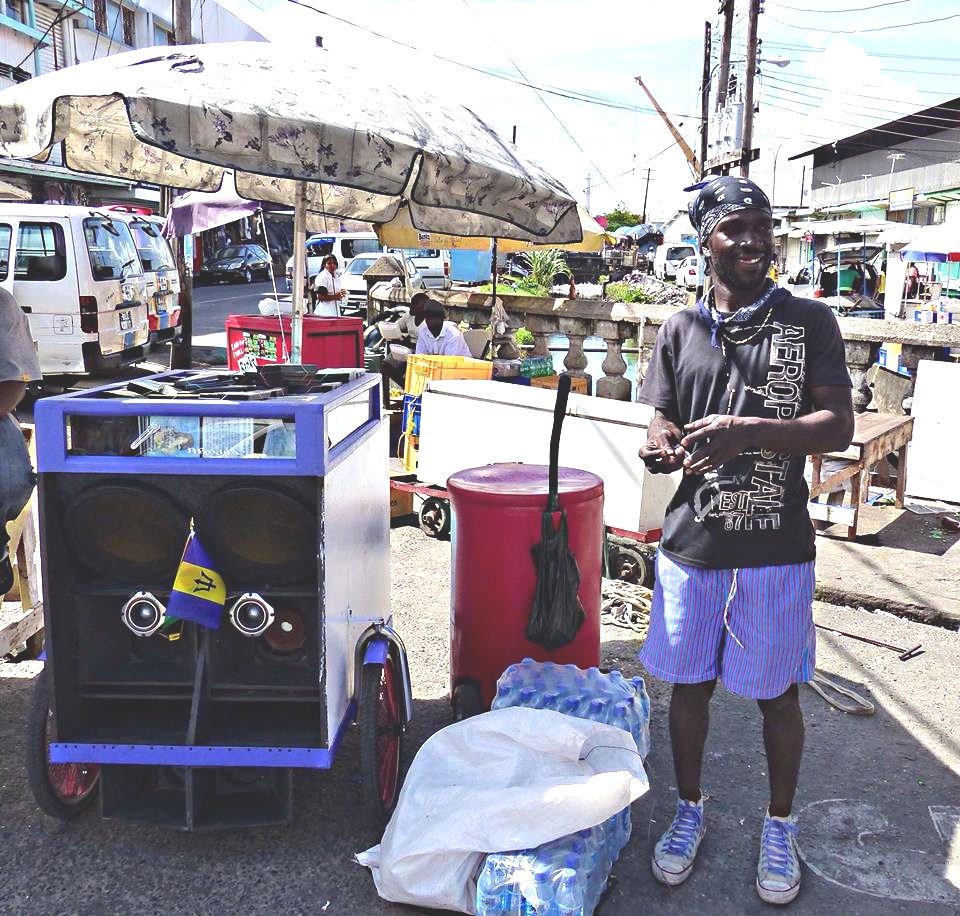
783	739
689	721
16	486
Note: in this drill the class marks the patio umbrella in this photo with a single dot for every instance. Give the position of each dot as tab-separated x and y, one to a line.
933	243
197	211
299	127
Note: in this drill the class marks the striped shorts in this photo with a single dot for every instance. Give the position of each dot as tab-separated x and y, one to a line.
752	628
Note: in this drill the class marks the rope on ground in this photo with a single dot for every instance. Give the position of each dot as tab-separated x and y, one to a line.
624	604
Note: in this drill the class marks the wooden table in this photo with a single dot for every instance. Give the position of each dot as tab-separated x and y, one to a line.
875	435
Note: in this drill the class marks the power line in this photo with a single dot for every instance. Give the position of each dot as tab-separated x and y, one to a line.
879	28
808	50
58	18
542	99
855	9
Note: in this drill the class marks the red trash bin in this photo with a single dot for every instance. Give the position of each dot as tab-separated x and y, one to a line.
329	343
497	513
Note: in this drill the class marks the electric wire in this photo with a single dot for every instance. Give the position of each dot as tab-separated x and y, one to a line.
854	9
879	28
57	19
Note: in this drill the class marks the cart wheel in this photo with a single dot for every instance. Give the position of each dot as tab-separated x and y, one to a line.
381	736
435	517
61	790
630	565
466	702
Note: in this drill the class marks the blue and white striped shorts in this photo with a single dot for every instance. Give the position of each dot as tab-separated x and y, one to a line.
752	628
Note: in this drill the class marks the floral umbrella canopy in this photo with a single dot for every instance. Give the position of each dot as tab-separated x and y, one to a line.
299	127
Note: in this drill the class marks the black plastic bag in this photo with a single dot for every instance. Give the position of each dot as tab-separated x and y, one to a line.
557	613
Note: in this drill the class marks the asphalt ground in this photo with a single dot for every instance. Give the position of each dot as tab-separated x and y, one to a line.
879	801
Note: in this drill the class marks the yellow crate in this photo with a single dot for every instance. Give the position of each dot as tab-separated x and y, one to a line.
422	369
578	384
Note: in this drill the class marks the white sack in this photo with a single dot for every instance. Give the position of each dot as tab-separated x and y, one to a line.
508	779
270	307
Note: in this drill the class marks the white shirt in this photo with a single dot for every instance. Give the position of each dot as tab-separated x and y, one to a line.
449	343
408	326
327	282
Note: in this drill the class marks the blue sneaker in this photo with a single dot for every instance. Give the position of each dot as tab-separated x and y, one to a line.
778	872
674	854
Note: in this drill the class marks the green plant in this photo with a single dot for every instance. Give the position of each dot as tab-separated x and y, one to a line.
544	265
627	292
523	338
621	217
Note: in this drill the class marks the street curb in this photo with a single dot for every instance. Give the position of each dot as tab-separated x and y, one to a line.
831	594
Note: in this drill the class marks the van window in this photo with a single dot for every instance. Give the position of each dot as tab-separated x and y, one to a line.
151	245
352	247
426	253
111	248
41	252
679	253
319	249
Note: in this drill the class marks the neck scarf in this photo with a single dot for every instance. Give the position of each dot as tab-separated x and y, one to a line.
717	320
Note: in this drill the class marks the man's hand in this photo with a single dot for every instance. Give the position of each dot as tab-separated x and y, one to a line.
662	452
712	441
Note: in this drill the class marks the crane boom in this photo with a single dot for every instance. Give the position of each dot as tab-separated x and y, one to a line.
691	157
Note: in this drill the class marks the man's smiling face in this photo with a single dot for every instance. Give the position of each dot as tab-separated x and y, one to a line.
741	249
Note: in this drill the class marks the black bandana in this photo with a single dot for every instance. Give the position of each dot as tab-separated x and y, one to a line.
719	197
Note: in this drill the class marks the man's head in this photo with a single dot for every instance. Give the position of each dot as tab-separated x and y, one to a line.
417	303
734	224
434	315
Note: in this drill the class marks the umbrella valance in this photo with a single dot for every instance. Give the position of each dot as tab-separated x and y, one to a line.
283	117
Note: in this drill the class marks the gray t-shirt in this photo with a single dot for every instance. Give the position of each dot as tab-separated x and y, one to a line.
18	356
753	512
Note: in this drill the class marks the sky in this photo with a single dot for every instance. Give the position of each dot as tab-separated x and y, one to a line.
852	64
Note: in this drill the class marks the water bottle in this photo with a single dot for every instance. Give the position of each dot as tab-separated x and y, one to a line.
489	888
505	696
569	896
551	700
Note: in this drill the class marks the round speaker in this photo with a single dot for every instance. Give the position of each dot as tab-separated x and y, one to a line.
131	532
258	535
143	614
251	615
287	634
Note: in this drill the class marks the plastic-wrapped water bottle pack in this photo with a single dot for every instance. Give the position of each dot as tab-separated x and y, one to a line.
565	877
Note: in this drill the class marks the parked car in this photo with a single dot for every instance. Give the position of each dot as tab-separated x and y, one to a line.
160	275
857	272
76	274
667	259
356	286
433	264
238	263
688	273
344	246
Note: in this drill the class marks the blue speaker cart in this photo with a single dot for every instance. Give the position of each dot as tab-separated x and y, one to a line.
289	495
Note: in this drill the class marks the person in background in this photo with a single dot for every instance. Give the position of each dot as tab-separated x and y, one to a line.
394	365
911	284
744	385
18	365
438	337
327	286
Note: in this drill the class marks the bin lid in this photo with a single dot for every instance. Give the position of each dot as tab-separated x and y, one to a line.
523	484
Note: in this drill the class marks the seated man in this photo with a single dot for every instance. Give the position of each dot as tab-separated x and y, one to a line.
394	365
438	337
18	365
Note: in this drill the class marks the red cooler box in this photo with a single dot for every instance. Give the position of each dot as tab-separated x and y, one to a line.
330	343
497	512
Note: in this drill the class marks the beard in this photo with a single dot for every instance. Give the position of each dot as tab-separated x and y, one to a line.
740	278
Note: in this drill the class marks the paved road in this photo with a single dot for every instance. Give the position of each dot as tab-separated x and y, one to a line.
879	797
212	304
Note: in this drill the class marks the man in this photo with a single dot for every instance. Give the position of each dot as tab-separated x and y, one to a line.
18	365
438	337
327	286
394	365
745	385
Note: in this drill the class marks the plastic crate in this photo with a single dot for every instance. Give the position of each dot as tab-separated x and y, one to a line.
411	414
578	384
411	448
422	369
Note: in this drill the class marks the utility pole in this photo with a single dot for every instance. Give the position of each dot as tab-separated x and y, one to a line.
723	79
705	98
643	217
746	146
586	192
181	351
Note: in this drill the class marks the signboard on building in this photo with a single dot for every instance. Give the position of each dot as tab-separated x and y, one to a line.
901	199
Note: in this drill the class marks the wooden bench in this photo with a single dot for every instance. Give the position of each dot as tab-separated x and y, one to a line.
875	435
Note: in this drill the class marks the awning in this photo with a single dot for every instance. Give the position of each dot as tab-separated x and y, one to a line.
28	169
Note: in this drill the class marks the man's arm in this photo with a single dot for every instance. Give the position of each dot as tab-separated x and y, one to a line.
720	437
662	452
11	393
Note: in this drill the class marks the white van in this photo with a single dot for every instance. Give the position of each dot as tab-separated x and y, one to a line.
160	275
433	265
342	245
76	273
667	259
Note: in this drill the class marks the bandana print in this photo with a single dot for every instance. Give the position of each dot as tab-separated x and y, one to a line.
742	315
719	197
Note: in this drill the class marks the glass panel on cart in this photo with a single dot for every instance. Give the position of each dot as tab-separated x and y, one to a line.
157	436
347	418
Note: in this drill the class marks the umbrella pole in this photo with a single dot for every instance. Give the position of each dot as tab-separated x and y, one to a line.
493	304
299	271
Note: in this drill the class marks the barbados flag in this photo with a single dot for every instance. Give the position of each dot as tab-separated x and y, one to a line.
199	593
